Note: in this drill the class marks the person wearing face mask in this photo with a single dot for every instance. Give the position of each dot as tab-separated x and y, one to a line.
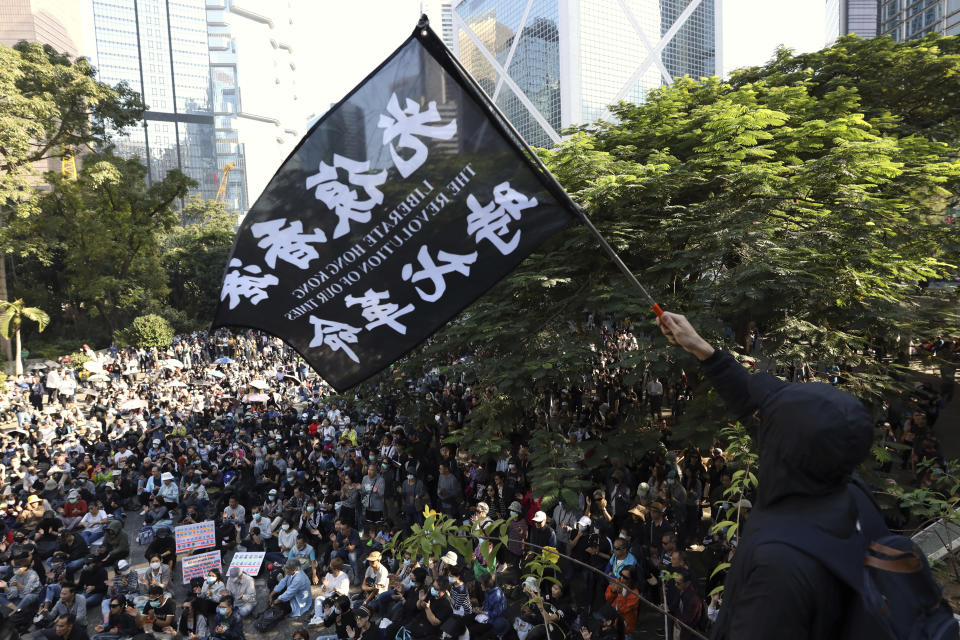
310	522
93	581
157	615
433	610
227	623
213	586
272	508
413	495
156	575
364	628
163	546
258	520
621	597
287	537
194	495
241	586
336	581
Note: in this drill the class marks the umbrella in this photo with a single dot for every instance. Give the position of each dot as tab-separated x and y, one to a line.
99	377
51	363
259	384
88	392
216	374
93	366
176	383
133	404
172	363
224	361
256	397
36	366
292	377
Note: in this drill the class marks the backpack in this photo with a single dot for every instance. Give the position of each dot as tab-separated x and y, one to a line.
889	572
146	535
269	619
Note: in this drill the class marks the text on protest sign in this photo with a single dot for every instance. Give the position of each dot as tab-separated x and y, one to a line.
190	537
199	566
248	561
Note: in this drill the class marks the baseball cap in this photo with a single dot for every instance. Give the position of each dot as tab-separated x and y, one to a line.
539	516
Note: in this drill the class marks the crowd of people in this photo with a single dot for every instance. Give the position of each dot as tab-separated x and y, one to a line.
235	428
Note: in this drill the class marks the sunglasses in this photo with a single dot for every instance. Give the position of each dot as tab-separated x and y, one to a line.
114	604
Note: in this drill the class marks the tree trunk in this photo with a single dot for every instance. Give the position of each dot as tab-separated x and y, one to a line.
4	342
19	360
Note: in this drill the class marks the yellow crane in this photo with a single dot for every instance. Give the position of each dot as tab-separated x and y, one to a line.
223	182
68	164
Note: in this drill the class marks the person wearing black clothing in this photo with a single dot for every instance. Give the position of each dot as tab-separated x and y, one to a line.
162	546
339	614
227	624
254	542
810	438
433	610
364	629
158	612
120	623
65	628
93	581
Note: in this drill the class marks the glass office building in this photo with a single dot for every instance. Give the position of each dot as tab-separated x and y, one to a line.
549	64
909	19
859	17
159	48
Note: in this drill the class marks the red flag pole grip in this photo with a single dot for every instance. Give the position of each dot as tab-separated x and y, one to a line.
657	310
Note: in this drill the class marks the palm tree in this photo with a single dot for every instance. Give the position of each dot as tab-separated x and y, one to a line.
12	317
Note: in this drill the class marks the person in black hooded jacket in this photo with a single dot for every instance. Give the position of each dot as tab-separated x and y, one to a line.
810	438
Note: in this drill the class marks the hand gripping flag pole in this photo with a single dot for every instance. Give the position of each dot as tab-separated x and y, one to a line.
498	116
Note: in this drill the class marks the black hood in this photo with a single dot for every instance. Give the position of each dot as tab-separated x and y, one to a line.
811	437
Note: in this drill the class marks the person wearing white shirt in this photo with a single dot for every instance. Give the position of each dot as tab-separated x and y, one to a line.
336	581
655	393
91	525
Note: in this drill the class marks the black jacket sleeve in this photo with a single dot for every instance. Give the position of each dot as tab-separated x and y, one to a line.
742	392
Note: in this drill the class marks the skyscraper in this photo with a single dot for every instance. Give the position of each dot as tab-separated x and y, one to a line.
549	64
909	19
440	13
57	24
860	17
257	114
159	47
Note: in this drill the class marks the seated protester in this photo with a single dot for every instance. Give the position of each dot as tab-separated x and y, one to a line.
22	583
158	513
93	581
336	611
558	611
158	613
623	600
156	575
335	582
192	624
115	545
254	541
411	597
125	584
213	587
194	495
227	624
69	602
458	591
433	611
112	501
307	556
91	525
192	516
73	509
75	549
234	512
120	622
363	629
168	493
65	628
287	537
375	580
163	547
293	591
244	591
345	544
492	615
263	524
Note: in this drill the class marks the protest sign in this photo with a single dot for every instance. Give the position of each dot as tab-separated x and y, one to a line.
200	565
190	537
248	561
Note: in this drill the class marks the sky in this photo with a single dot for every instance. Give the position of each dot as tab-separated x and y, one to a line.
347	39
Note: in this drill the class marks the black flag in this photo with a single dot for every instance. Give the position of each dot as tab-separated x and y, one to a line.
401	206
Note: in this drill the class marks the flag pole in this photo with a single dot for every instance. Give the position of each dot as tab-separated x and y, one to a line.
424	26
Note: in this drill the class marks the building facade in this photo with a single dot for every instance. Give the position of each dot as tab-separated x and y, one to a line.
159	48
257	114
550	64
859	17
909	19
440	13
51	22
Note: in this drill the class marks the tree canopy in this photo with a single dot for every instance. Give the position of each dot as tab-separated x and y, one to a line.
785	201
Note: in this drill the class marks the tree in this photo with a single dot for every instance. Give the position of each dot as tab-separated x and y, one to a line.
12	315
99	240
147	331
777	206
47	103
195	253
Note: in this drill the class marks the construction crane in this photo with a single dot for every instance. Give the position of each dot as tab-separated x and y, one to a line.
68	164
223	183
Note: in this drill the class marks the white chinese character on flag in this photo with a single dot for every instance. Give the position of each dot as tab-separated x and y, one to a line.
290	244
408	123
377	313
335	335
250	285
343	200
433	272
493	223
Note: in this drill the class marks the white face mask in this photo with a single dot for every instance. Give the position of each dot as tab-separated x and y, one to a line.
285	527
155	566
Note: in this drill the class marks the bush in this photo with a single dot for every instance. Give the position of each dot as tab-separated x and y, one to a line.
146	331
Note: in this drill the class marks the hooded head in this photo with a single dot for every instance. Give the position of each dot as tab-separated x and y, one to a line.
811	438
114	526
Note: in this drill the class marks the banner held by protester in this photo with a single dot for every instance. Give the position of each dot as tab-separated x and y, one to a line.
402	205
